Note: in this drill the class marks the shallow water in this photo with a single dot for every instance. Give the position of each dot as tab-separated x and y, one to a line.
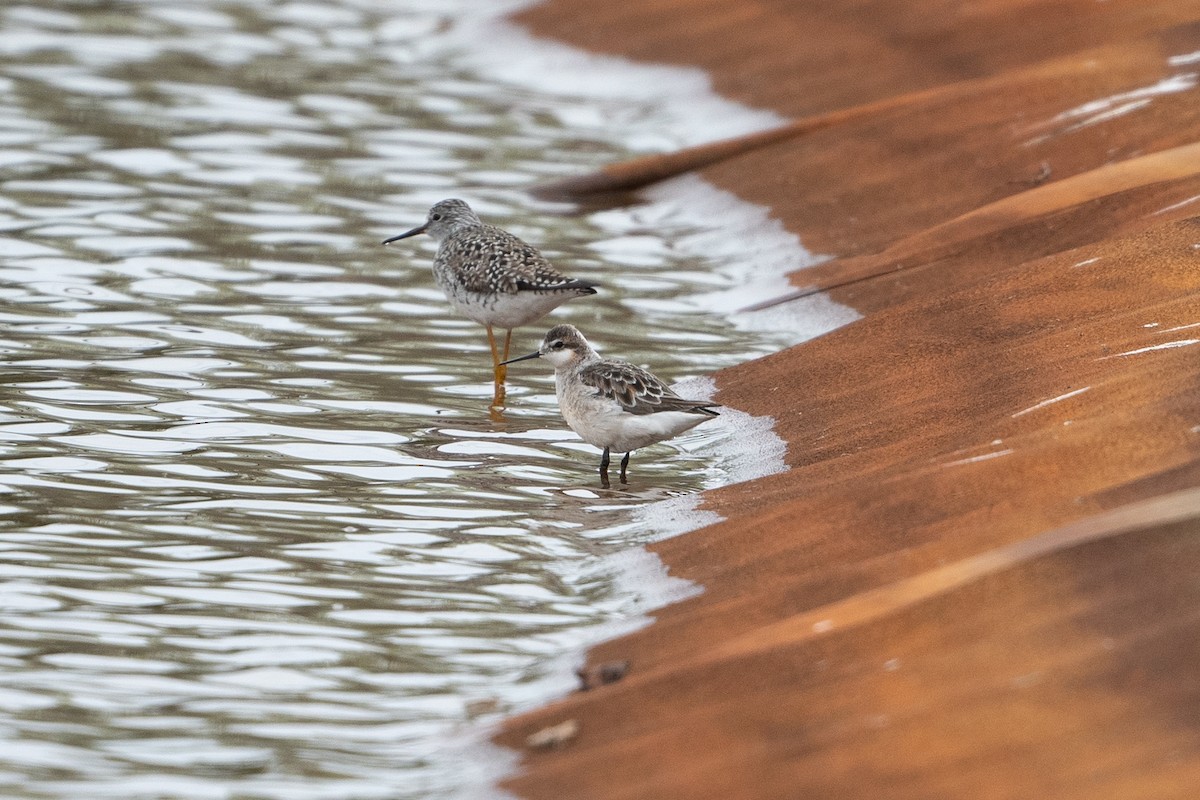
259	536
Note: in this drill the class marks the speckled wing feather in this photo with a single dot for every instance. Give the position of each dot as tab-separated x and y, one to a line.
487	259
637	390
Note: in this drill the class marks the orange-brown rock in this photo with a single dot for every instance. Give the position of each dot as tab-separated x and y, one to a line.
980	576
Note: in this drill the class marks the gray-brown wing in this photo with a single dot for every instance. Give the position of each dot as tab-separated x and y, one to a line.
487	259
638	391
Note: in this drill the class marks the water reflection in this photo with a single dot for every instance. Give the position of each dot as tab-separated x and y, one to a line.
258	535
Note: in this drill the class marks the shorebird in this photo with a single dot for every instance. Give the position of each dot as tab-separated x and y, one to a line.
613	405
492	277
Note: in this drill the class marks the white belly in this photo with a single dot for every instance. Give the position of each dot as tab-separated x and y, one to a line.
504	310
602	423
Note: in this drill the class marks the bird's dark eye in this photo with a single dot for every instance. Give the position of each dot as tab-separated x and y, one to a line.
436	217
557	345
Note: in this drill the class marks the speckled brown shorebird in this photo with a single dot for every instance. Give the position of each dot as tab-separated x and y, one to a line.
613	405
492	277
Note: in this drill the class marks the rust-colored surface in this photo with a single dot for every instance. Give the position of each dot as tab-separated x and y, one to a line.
981	575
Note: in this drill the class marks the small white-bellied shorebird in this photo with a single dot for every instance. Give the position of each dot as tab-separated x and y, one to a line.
613	405
492	277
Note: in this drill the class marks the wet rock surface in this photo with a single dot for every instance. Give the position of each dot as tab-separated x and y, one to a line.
977	578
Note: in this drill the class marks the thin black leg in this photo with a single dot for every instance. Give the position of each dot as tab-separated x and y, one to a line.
604	469
624	466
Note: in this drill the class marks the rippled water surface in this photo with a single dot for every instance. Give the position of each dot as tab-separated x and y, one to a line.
259	536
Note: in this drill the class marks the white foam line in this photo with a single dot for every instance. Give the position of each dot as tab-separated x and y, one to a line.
976	459
1095	110
687	109
1051	401
1174	206
1106	108
1184	58
764	254
1152	348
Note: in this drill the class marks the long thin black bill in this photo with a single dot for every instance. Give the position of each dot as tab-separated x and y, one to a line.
534	354
406	234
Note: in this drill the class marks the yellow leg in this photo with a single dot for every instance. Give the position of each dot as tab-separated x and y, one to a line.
503	371
499	372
